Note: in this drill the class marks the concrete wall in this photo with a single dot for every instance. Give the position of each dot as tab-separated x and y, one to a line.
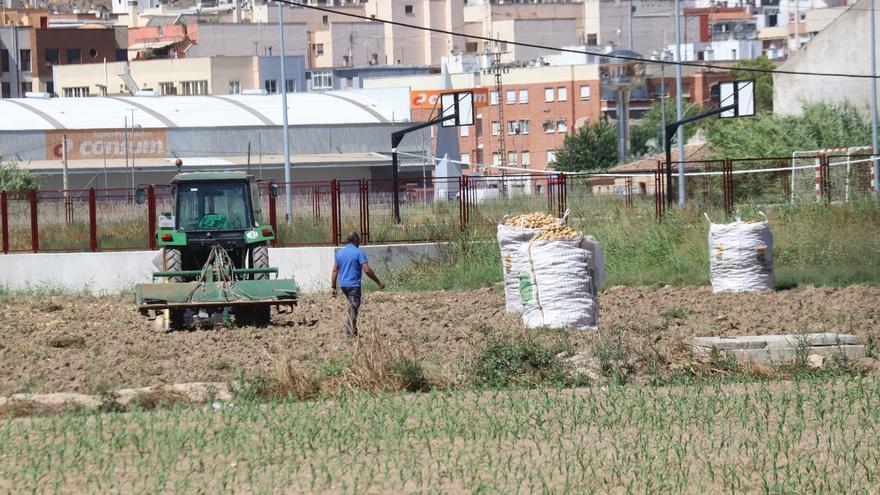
294	66
246	39
844	47
14	39
114	272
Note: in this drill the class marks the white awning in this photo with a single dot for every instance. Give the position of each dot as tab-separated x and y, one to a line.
152	45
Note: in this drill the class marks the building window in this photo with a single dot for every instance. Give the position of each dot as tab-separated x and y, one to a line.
319	49
549	126
548	95
271	86
471	46
562	94
80	92
510	97
102	90
167	89
496	128
511	158
465	131
493	97
561	126
121	55
325	19
585	92
592	39
24	57
50	87
193	87
234	87
523	96
503	47
93	53
523	126
512	127
478	126
26	88
526	159
5	90
74	56
551	156
686	89
51	56
408	10
4	60
290	85
322	81
496	158
465	158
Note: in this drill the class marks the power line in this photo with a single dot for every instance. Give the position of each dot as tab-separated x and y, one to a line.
572	50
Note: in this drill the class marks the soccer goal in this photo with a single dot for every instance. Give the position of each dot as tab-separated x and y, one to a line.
847	177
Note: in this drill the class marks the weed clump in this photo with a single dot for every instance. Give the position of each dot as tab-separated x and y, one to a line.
504	363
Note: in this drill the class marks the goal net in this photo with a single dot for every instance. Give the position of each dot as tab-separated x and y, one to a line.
848	174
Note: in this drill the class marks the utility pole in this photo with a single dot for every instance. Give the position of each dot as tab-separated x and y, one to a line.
288	199
678	109
498	71
875	165
64	178
133	150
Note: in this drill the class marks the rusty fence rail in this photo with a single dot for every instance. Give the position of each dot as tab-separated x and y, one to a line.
432	208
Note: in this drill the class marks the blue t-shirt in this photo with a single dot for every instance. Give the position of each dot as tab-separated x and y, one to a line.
350	260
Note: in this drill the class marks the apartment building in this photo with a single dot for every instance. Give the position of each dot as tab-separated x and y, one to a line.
183	76
540	105
16	76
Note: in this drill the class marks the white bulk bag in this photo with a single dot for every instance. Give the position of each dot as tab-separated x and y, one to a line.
558	283
741	256
510	239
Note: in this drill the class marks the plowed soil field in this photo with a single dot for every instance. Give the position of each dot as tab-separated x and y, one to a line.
89	344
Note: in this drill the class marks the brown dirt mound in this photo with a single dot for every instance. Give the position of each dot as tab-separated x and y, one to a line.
93	344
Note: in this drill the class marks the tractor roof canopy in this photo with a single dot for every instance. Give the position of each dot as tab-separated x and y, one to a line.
209	176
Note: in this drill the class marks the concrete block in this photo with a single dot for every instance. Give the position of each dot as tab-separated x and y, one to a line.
775	341
785	354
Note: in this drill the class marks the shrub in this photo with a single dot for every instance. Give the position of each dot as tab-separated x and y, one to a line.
502	363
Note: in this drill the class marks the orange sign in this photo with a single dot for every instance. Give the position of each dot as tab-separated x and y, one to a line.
89	145
428	99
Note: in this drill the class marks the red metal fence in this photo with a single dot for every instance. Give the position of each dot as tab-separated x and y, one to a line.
323	212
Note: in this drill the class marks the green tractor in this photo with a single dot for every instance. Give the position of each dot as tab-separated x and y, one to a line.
214	256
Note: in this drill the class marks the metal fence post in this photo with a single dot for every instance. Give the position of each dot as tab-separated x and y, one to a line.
727	182
628	192
273	214
659	181
363	196
4	220
35	227
825	178
561	195
151	217
93	221
334	210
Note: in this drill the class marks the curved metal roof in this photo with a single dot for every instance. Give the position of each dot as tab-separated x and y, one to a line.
337	107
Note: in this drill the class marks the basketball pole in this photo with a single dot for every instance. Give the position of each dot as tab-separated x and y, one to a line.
678	107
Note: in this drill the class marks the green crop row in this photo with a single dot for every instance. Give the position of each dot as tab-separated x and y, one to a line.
807	436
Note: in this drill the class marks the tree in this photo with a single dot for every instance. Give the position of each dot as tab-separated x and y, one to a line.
15	179
591	148
763	80
821	125
647	135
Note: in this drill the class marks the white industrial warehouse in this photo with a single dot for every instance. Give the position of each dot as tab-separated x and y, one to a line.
118	141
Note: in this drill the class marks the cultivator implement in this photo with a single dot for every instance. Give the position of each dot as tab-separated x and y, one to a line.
219	293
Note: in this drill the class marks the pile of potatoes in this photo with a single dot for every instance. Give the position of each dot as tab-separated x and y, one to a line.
535	220
557	232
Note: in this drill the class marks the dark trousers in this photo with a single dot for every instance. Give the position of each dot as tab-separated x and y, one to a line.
353	296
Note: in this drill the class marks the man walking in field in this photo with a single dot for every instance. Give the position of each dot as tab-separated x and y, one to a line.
351	262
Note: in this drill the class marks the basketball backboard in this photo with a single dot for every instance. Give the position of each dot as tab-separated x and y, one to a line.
740	94
461	105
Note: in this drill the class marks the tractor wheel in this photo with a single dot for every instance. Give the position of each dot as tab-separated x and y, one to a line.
173	263
260	259
176	319
259	316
